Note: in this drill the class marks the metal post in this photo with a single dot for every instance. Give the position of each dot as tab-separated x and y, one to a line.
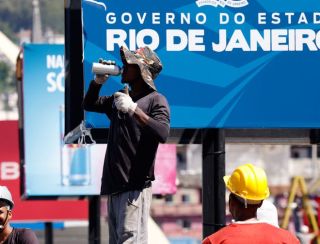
73	65
48	232
94	220
213	187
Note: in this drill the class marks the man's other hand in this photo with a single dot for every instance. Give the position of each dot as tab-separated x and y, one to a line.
124	103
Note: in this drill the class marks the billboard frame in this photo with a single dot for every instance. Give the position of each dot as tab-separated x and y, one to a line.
74	94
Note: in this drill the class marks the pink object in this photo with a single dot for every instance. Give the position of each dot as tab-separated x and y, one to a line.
165	170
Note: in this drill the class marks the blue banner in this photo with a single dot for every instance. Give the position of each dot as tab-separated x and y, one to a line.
52	168
227	63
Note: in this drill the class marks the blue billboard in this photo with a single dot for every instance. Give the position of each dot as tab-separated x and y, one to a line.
52	168
227	63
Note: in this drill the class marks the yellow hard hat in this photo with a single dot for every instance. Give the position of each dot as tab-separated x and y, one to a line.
248	182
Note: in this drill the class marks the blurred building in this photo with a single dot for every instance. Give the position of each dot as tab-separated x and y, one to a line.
180	215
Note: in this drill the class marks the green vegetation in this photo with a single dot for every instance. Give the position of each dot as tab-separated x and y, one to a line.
7	84
6	77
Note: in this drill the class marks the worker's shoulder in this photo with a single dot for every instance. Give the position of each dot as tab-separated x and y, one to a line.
156	94
286	233
222	232
255	232
23	235
157	98
279	233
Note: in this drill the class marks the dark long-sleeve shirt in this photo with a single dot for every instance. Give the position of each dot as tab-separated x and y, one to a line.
22	235
131	150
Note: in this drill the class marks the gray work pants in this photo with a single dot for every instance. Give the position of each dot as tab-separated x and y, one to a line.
128	214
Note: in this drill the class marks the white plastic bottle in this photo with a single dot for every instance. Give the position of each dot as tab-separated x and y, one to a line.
103	69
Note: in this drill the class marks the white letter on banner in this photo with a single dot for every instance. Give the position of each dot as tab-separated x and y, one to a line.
170	18
60	81
223	42
316	19
195	38
151	33
9	171
174	34
237	40
292	40
125	20
52	83
141	18
115	36
51	61
302	19
156	18
224	18
56	82
263	40
185	18
289	15
279	40
305	36
261	18
59	61
275	18
200	16
111	18
239	18
132	39
318	39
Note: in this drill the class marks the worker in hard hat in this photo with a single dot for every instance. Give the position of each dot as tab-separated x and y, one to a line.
248	188
8	234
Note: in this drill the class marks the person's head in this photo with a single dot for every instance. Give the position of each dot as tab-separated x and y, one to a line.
240	210
6	206
140	65
249	187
